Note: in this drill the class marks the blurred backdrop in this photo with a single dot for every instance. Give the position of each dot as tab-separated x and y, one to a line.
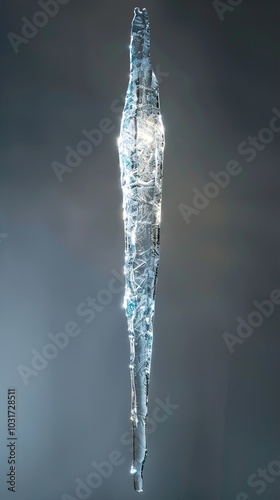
214	407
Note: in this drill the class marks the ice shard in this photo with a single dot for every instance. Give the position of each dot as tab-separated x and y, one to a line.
141	149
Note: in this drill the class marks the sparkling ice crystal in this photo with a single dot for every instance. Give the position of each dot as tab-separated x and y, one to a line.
141	148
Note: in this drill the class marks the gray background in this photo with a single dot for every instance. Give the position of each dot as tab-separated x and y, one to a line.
64	238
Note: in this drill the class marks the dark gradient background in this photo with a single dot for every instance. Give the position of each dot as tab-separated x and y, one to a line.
65	238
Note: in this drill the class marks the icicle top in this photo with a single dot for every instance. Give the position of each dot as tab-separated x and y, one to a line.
140	36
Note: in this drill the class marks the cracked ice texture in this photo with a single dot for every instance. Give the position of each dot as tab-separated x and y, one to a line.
141	148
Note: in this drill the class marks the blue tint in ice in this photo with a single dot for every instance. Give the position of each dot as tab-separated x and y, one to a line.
141	148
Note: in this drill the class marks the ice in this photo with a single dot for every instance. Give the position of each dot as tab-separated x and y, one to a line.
141	149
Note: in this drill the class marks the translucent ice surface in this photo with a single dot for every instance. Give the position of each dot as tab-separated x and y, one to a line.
141	148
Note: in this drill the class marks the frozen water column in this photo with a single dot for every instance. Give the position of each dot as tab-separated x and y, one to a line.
141	148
